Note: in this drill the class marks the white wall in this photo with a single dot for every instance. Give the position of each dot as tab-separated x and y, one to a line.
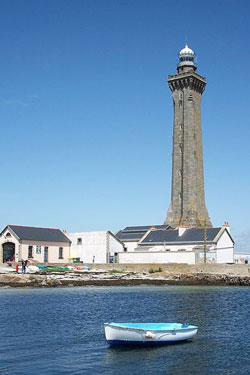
168	247
130	245
225	249
241	257
157	257
114	245
96	247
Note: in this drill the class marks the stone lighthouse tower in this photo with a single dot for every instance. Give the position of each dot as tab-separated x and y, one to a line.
187	205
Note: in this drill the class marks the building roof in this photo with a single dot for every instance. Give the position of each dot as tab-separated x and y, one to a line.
38	234
172	236
186	51
137	232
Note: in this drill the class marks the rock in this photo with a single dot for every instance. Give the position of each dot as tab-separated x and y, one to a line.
58	279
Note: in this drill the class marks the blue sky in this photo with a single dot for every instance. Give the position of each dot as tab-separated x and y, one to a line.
86	113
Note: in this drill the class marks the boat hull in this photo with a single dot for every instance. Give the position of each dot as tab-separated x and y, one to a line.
147	334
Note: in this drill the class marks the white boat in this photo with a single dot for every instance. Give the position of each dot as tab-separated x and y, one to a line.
147	333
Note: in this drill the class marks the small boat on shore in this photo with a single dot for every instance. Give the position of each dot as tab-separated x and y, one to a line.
148	333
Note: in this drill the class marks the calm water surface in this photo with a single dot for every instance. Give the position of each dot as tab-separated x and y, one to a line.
60	331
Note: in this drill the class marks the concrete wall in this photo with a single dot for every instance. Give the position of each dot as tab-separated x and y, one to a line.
114	245
130	245
220	269
240	258
170	247
95	247
157	257
225	249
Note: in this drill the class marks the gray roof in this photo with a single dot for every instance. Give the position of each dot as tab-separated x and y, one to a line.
39	234
129	236
145	228
137	232
172	235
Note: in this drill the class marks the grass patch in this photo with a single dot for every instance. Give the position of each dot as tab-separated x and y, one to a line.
116	271
151	270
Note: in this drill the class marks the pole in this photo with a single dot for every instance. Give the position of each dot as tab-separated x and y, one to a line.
205	241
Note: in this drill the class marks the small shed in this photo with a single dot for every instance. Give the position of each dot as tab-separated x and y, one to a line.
43	245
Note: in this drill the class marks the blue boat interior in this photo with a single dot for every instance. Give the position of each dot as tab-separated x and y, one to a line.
153	326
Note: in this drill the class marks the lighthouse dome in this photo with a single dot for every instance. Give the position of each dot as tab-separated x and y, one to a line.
186	51
186	60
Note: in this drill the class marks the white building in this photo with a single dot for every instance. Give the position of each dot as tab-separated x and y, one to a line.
43	245
95	247
242	258
178	245
131	236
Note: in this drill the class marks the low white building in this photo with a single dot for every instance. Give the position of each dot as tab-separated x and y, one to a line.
95	247
181	245
43	245
131	236
242	258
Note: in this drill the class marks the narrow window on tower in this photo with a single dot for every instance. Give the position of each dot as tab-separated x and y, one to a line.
181	126
180	99
180	172
180	196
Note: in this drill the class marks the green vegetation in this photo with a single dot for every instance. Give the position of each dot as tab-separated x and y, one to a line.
116	271
151	270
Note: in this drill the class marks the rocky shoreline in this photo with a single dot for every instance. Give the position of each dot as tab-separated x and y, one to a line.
118	278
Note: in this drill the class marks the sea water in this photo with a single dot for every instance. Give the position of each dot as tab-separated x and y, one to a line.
60	331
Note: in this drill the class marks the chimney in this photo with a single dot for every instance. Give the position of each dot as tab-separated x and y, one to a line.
226	225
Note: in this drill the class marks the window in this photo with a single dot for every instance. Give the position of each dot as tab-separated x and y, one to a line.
79	241
60	253
38	250
30	252
8	234
167	249
181	249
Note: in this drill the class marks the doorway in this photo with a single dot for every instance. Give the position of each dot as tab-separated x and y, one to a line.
8	252
46	254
